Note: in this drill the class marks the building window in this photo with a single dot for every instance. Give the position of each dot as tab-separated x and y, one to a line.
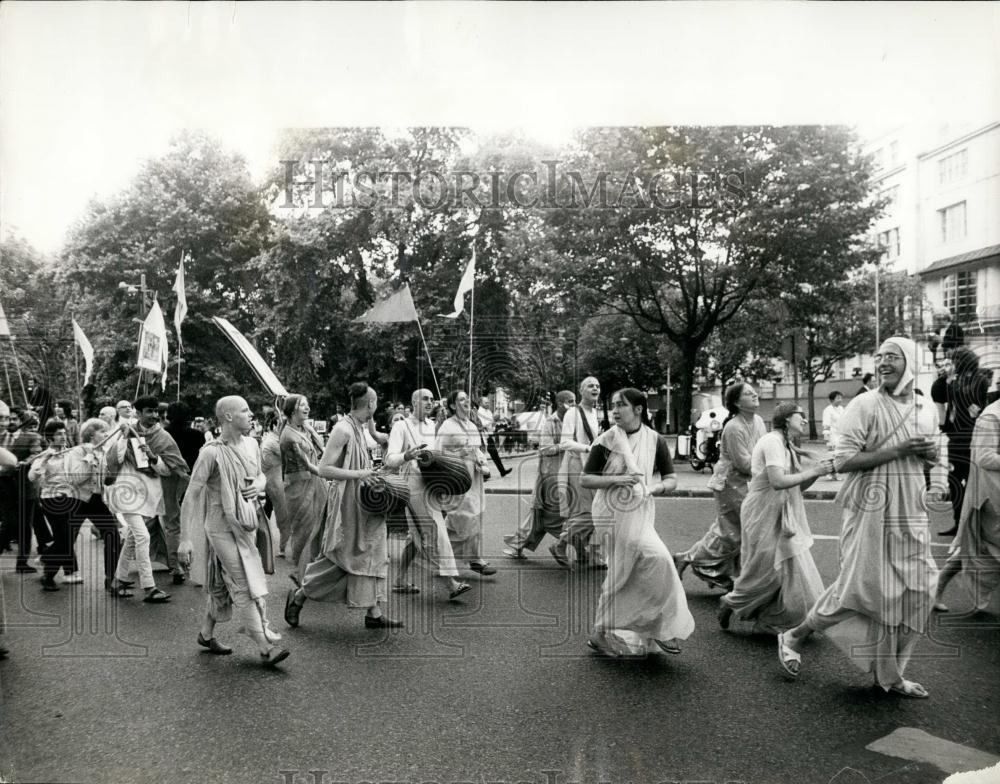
960	295
893	153
877	156
952	222
953	168
888	241
892	197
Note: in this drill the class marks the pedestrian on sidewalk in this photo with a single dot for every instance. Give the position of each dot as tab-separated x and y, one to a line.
778	581
642	601
880	604
715	558
831	415
219	506
544	516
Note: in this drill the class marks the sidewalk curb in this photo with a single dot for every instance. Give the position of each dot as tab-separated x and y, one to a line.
809	495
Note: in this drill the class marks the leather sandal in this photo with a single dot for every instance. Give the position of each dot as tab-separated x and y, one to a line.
156	596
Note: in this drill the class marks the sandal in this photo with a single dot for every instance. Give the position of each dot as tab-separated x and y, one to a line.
910	689
670	646
462	588
598	644
790	659
119	589
411	588
156	596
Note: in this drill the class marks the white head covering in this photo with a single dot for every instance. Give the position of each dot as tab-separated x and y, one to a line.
909	351
4	409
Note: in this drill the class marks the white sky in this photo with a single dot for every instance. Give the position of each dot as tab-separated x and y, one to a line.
88	91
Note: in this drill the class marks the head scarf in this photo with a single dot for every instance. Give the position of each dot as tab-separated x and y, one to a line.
909	351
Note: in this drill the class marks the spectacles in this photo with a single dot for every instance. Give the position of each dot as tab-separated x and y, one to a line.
888	357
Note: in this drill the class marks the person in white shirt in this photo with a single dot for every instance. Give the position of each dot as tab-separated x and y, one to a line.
831	414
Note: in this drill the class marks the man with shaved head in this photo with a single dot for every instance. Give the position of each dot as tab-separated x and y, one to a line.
579	429
545	516
219	504
428	537
353	556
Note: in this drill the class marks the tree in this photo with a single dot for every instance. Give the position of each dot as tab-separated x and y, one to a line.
695	221
196	198
837	321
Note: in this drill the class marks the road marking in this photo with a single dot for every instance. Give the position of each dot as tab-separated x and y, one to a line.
832	538
909	743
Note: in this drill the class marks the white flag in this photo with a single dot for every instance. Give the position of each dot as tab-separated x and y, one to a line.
181	309
86	349
464	286
153	343
4	327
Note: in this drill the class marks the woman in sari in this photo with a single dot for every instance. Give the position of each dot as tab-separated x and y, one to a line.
976	552
305	490
778	581
642	600
270	463
881	601
458	435
715	558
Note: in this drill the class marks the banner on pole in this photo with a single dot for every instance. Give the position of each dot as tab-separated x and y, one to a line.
397	308
153	342
465	286
4	326
181	309
260	368
86	349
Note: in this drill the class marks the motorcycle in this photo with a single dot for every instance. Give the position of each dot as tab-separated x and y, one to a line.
706	436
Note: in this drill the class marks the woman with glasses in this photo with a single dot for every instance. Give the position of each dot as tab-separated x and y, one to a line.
778	580
715	558
880	604
642	600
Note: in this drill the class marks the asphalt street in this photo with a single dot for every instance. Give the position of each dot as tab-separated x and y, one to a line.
498	687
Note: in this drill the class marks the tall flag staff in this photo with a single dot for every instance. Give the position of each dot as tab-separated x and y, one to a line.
180	311
5	332
467	284
395	309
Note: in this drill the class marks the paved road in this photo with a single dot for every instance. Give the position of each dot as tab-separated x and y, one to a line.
498	689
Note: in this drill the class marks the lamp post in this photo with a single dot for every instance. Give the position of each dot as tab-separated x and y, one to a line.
129	288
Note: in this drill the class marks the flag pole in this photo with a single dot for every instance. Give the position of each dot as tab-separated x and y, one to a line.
178	369
430	362
472	317
79	394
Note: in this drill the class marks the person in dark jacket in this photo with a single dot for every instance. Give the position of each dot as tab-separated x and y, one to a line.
189	440
963	393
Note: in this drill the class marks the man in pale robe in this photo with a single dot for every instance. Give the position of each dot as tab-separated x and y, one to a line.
579	429
352	562
880	604
428	535
218	507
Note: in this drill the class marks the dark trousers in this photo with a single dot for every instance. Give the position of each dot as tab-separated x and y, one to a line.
104	520
959	448
59	511
20	517
491	448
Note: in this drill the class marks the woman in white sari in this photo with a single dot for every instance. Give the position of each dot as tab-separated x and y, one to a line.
778	581
880	604
642	600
